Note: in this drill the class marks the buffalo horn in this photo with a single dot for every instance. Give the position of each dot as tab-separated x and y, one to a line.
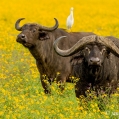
17	24
84	41
109	44
50	28
79	45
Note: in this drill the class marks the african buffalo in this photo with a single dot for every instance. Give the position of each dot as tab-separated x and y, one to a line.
39	40
95	61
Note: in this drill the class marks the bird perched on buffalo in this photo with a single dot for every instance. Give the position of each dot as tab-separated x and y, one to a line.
70	19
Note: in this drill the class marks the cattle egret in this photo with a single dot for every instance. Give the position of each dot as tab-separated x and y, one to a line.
70	19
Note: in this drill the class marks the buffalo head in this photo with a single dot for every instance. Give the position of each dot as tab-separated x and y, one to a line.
31	32
91	50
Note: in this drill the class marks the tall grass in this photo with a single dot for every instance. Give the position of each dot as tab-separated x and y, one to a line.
21	93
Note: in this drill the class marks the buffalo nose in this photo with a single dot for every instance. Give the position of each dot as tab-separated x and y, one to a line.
22	36
94	60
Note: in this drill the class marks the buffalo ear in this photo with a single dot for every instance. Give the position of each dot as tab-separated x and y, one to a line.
76	59
43	35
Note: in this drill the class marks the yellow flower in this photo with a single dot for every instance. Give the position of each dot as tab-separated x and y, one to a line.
1	113
58	73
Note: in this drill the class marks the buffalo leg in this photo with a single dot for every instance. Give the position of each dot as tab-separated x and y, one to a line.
61	82
81	88
45	84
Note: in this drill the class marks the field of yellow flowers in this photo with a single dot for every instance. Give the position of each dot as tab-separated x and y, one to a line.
21	94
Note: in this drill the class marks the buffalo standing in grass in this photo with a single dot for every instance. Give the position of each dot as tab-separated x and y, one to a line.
39	40
96	63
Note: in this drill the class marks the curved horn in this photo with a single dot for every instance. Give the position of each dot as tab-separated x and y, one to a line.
17	27
51	28
79	45
109	44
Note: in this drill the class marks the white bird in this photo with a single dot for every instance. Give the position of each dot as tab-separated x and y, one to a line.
70	19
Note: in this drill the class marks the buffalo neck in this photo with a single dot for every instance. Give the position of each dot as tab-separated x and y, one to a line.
92	74
42	50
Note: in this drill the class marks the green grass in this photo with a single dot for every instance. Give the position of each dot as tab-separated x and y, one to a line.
24	98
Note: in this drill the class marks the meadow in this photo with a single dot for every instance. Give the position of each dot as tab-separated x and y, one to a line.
21	93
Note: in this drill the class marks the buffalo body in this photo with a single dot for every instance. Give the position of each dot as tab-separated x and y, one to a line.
95	60
39	40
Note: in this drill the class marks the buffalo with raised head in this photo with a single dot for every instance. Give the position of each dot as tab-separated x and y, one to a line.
39	40
95	61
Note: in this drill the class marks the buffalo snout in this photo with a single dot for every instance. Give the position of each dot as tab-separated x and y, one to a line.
21	38
94	61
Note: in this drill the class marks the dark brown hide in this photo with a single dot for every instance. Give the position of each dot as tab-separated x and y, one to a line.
40	44
96	64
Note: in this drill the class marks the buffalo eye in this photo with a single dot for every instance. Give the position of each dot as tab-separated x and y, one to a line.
34	30
103	50
87	49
